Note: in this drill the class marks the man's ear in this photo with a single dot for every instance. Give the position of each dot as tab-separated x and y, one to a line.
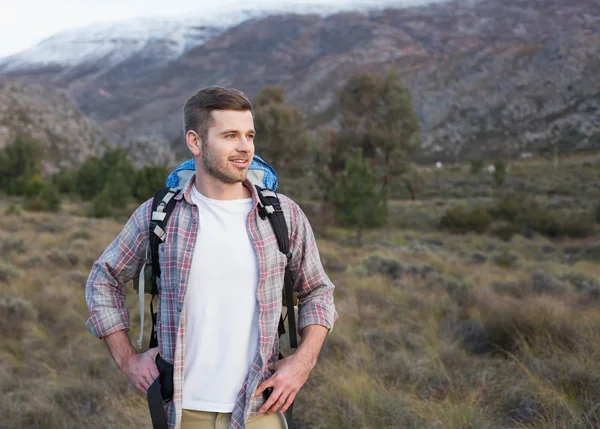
194	143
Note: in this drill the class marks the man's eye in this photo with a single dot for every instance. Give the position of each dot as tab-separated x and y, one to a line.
230	135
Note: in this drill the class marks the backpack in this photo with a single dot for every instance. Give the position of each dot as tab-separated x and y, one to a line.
263	177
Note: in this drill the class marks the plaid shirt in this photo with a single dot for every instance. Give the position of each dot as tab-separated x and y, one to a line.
122	261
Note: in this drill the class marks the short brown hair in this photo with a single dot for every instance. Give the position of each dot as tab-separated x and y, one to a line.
197	110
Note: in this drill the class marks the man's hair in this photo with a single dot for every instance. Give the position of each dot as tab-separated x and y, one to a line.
197	111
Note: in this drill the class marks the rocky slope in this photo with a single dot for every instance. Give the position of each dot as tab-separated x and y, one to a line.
51	117
487	76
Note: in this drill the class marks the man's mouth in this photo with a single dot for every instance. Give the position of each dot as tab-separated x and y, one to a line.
240	162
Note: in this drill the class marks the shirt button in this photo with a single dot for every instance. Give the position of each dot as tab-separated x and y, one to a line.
189	249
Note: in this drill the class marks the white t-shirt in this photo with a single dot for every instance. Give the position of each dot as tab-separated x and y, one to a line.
221	306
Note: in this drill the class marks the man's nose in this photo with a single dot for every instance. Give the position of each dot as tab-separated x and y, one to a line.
244	144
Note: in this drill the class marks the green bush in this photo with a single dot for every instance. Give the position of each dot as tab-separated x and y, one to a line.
50	196
13	209
65	181
47	198
34	205
500	173
476	166
91	178
506	259
33	187
462	219
19	161
597	213
559	223
359	199
510	207
101	204
147	180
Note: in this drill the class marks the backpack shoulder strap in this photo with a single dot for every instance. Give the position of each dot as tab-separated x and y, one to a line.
162	207
270	207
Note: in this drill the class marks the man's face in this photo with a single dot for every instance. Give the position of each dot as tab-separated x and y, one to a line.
228	151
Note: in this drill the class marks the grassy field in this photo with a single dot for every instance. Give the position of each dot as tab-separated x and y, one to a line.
436	329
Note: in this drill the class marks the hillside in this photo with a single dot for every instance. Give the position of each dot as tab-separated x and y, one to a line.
51	117
487	76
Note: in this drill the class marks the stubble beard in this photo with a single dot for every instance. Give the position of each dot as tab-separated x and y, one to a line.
220	169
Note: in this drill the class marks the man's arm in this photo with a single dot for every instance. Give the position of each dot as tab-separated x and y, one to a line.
316	316
119	263
292	372
140	368
105	294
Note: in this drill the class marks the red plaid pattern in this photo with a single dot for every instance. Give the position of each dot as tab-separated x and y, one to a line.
123	259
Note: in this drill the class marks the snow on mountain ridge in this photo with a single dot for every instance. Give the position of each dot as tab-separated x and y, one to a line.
163	39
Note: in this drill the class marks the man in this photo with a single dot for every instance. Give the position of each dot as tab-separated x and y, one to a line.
220	292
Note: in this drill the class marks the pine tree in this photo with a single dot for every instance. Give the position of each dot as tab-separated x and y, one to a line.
360	200
281	138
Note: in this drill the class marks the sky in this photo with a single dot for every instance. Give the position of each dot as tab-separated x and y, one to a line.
23	23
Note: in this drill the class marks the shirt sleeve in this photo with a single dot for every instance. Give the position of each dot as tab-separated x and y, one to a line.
121	262
315	289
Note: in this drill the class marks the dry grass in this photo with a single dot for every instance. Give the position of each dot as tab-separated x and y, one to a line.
432	333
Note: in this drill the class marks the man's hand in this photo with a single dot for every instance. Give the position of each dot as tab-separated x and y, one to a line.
290	375
141	369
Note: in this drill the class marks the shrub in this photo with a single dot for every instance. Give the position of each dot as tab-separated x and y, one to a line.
50	196
7	271
510	207
12	244
597	213
360	201
476	166
564	223
34	205
148	180
13	209
462	219
500	173
543	282
101	205
506	259
65	181
33	187
62	259
391	268
503	230
82	234
13	313
19	161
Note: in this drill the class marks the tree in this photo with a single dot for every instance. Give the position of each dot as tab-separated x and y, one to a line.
118	188
280	134
101	205
148	180
91	178
360	201
96	172
65	181
413	181
500	173
395	127
50	196
377	117
19	161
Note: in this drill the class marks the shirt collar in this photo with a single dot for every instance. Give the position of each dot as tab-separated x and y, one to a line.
186	191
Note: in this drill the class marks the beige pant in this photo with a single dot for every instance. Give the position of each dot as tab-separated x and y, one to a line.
202	420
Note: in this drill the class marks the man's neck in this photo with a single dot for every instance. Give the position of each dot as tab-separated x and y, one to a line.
217	190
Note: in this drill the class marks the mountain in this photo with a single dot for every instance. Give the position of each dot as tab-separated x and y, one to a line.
51	117
488	77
